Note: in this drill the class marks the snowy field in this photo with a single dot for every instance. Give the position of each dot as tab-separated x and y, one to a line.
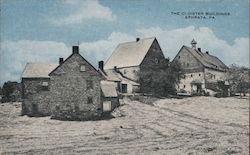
198	125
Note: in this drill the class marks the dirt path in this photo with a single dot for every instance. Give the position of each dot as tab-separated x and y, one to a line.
169	127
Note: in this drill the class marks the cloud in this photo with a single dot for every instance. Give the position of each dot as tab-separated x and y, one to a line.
84	11
172	40
102	49
15	54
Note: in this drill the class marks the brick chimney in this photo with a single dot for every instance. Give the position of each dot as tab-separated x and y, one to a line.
60	61
75	49
100	65
137	39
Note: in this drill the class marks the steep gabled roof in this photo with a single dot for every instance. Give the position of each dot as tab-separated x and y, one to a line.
69	58
207	60
38	70
129	53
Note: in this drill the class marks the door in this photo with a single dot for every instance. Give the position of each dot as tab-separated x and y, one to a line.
199	88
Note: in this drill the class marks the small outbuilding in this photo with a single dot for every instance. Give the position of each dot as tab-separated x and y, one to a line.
109	96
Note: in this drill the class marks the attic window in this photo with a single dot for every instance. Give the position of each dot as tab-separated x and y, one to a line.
82	68
156	61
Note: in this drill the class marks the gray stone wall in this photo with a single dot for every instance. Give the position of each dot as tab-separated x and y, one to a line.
36	99
154	58
188	62
71	97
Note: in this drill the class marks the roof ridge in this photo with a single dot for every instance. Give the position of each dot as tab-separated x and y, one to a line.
136	41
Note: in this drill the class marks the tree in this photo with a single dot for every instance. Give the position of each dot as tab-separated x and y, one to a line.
238	78
160	81
8	91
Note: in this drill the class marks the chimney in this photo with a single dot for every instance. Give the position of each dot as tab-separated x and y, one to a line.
137	39
60	61
115	68
199	49
207	52
75	49
100	65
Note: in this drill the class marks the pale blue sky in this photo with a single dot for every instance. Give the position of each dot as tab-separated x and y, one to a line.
100	25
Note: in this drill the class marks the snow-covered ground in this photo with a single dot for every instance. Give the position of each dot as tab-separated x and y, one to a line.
197	125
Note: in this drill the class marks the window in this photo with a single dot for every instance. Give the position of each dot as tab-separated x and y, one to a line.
107	106
187	64
199	74
89	84
214	76
124	72
90	100
82	68
156	61
45	86
191	75
184	86
179	57
184	76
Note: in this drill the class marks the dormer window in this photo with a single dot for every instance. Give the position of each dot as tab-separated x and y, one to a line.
82	68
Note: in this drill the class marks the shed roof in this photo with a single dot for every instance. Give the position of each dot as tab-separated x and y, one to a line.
206	59
38	70
129	53
112	75
108	89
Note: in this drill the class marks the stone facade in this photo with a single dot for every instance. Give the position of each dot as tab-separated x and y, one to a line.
196	72
36	97
75	90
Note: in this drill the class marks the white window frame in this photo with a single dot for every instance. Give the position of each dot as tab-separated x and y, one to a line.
82	68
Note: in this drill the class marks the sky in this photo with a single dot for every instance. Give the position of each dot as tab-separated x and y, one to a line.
41	31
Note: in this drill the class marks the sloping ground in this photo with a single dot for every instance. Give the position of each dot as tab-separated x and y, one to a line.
199	125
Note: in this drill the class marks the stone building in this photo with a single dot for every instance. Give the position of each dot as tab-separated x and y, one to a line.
35	89
70	90
75	89
109	96
130	59
202	71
